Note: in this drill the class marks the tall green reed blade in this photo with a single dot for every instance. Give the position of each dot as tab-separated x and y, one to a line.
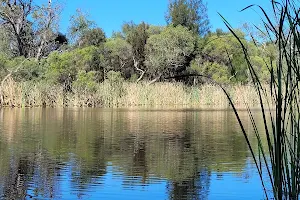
282	130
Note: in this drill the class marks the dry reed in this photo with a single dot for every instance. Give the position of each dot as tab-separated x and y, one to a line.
163	94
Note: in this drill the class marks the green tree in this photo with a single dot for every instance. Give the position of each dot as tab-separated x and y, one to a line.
85	81
84	32
30	29
153	30
46	22
95	37
119	55
137	36
168	52
189	13
4	43
80	24
20	68
14	18
63	67
219	56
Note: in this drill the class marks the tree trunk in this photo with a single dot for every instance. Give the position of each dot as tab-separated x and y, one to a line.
136	63
47	27
156	79
39	52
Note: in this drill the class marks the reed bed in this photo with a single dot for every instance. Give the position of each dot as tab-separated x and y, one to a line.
161	94
280	160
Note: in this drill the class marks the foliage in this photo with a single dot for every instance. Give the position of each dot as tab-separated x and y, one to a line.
167	52
225	50
30	69
4	43
119	55
154	30
65	66
14	21
214	70
137	36
33	49
189	13
46	23
220	57
30	29
114	77
79	25
22	69
93	37
85	81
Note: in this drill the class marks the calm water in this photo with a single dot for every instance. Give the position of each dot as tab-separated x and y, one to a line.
124	154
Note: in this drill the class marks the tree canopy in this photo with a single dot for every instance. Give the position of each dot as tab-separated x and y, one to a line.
29	36
30	30
168	52
189	13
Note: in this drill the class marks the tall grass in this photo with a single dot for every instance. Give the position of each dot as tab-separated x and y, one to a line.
281	159
126	94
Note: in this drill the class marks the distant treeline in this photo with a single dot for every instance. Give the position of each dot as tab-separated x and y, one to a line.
33	50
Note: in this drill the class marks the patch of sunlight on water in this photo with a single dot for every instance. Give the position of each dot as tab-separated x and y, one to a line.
124	154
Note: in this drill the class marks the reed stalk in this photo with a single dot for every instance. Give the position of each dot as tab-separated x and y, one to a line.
161	94
281	159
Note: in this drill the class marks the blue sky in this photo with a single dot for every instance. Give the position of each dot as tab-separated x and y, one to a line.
111	14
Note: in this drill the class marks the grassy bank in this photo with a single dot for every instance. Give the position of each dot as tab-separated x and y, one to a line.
125	94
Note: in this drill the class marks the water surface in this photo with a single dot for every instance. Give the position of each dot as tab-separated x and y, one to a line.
124	154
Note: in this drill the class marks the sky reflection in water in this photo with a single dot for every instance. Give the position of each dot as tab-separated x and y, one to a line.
124	154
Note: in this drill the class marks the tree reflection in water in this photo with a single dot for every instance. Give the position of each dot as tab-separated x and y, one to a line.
50	153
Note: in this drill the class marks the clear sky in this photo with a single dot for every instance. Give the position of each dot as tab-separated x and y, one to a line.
111	14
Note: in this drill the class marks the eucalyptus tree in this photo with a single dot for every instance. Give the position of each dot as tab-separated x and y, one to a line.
169	52
79	25
31	29
119	55
220	57
14	19
92	37
136	36
189	13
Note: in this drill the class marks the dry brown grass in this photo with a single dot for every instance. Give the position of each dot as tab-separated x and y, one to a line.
162	94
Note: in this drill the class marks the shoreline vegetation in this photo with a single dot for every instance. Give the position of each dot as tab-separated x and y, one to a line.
279	160
140	65
127	94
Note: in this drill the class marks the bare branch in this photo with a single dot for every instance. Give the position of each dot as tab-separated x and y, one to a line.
136	63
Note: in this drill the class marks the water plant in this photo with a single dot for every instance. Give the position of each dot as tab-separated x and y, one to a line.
280	160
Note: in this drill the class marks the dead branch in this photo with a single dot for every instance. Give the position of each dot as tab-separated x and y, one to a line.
136	63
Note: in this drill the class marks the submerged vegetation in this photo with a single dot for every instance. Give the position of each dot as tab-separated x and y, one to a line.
41	66
280	159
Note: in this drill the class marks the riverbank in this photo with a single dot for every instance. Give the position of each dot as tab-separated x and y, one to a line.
127	94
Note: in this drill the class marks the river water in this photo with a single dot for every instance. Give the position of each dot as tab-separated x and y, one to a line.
48	153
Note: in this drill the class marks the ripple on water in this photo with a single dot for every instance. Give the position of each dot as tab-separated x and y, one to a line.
127	154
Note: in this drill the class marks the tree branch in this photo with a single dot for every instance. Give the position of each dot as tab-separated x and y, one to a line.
136	63
155	79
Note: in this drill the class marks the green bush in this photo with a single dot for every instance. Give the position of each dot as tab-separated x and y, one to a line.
64	66
22	69
85	81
